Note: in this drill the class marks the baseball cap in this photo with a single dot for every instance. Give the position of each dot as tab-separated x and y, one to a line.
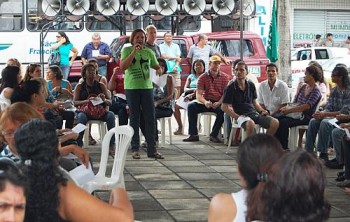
215	58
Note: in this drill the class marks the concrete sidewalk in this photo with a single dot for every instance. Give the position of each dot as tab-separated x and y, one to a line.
179	188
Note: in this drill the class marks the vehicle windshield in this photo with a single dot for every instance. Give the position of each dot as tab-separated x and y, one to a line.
232	48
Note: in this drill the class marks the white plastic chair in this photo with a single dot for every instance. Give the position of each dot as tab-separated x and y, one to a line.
162	127
102	126
207	121
243	134
294	135
123	135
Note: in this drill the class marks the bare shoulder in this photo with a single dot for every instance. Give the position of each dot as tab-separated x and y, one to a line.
222	208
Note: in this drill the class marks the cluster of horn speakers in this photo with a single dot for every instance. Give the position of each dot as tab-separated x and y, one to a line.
52	8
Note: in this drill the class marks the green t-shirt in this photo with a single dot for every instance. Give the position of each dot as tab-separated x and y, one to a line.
137	75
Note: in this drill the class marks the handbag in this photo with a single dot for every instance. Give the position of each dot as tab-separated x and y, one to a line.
295	115
54	59
91	111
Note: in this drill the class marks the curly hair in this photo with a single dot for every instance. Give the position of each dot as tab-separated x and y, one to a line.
84	69
342	72
295	190
315	72
315	63
37	143
255	156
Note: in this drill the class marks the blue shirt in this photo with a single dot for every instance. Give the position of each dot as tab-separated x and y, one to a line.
103	50
170	51
64	53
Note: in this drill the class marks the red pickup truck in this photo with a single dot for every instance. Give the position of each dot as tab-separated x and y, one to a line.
227	43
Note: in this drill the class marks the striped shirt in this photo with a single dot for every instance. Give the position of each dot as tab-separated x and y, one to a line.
312	99
213	87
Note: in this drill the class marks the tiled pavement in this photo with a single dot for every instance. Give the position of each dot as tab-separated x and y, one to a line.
180	187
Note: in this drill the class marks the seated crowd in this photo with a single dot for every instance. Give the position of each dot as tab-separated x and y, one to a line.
36	108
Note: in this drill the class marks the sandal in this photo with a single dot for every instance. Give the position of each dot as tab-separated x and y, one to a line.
179	132
92	141
136	155
156	156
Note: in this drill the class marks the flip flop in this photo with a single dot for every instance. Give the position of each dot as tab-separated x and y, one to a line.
136	155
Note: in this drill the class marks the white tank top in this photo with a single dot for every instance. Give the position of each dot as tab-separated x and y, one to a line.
240	200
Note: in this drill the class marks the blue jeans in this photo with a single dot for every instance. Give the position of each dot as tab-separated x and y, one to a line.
337	137
192	111
141	100
102	70
83	119
65	71
324	130
283	129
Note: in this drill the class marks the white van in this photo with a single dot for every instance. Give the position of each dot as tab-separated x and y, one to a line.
301	57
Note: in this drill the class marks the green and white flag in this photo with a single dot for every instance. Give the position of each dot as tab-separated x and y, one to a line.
272	43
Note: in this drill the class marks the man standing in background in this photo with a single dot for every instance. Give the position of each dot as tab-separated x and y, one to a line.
151	33
98	50
202	50
171	53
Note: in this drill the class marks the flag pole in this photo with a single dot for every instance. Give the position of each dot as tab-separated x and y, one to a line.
241	29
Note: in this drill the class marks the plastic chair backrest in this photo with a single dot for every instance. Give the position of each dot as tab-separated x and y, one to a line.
123	135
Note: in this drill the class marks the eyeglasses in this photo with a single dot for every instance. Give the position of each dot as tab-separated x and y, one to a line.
7	134
57	36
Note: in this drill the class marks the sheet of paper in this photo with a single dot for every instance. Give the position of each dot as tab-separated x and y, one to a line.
96	101
158	80
120	95
70	156
242	119
181	102
79	128
334	121
81	174
95	53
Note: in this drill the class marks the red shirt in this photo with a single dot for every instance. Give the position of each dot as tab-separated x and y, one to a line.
119	84
213	87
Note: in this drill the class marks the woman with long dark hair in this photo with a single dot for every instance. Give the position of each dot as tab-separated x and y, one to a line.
64	47
10	79
52	197
254	158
